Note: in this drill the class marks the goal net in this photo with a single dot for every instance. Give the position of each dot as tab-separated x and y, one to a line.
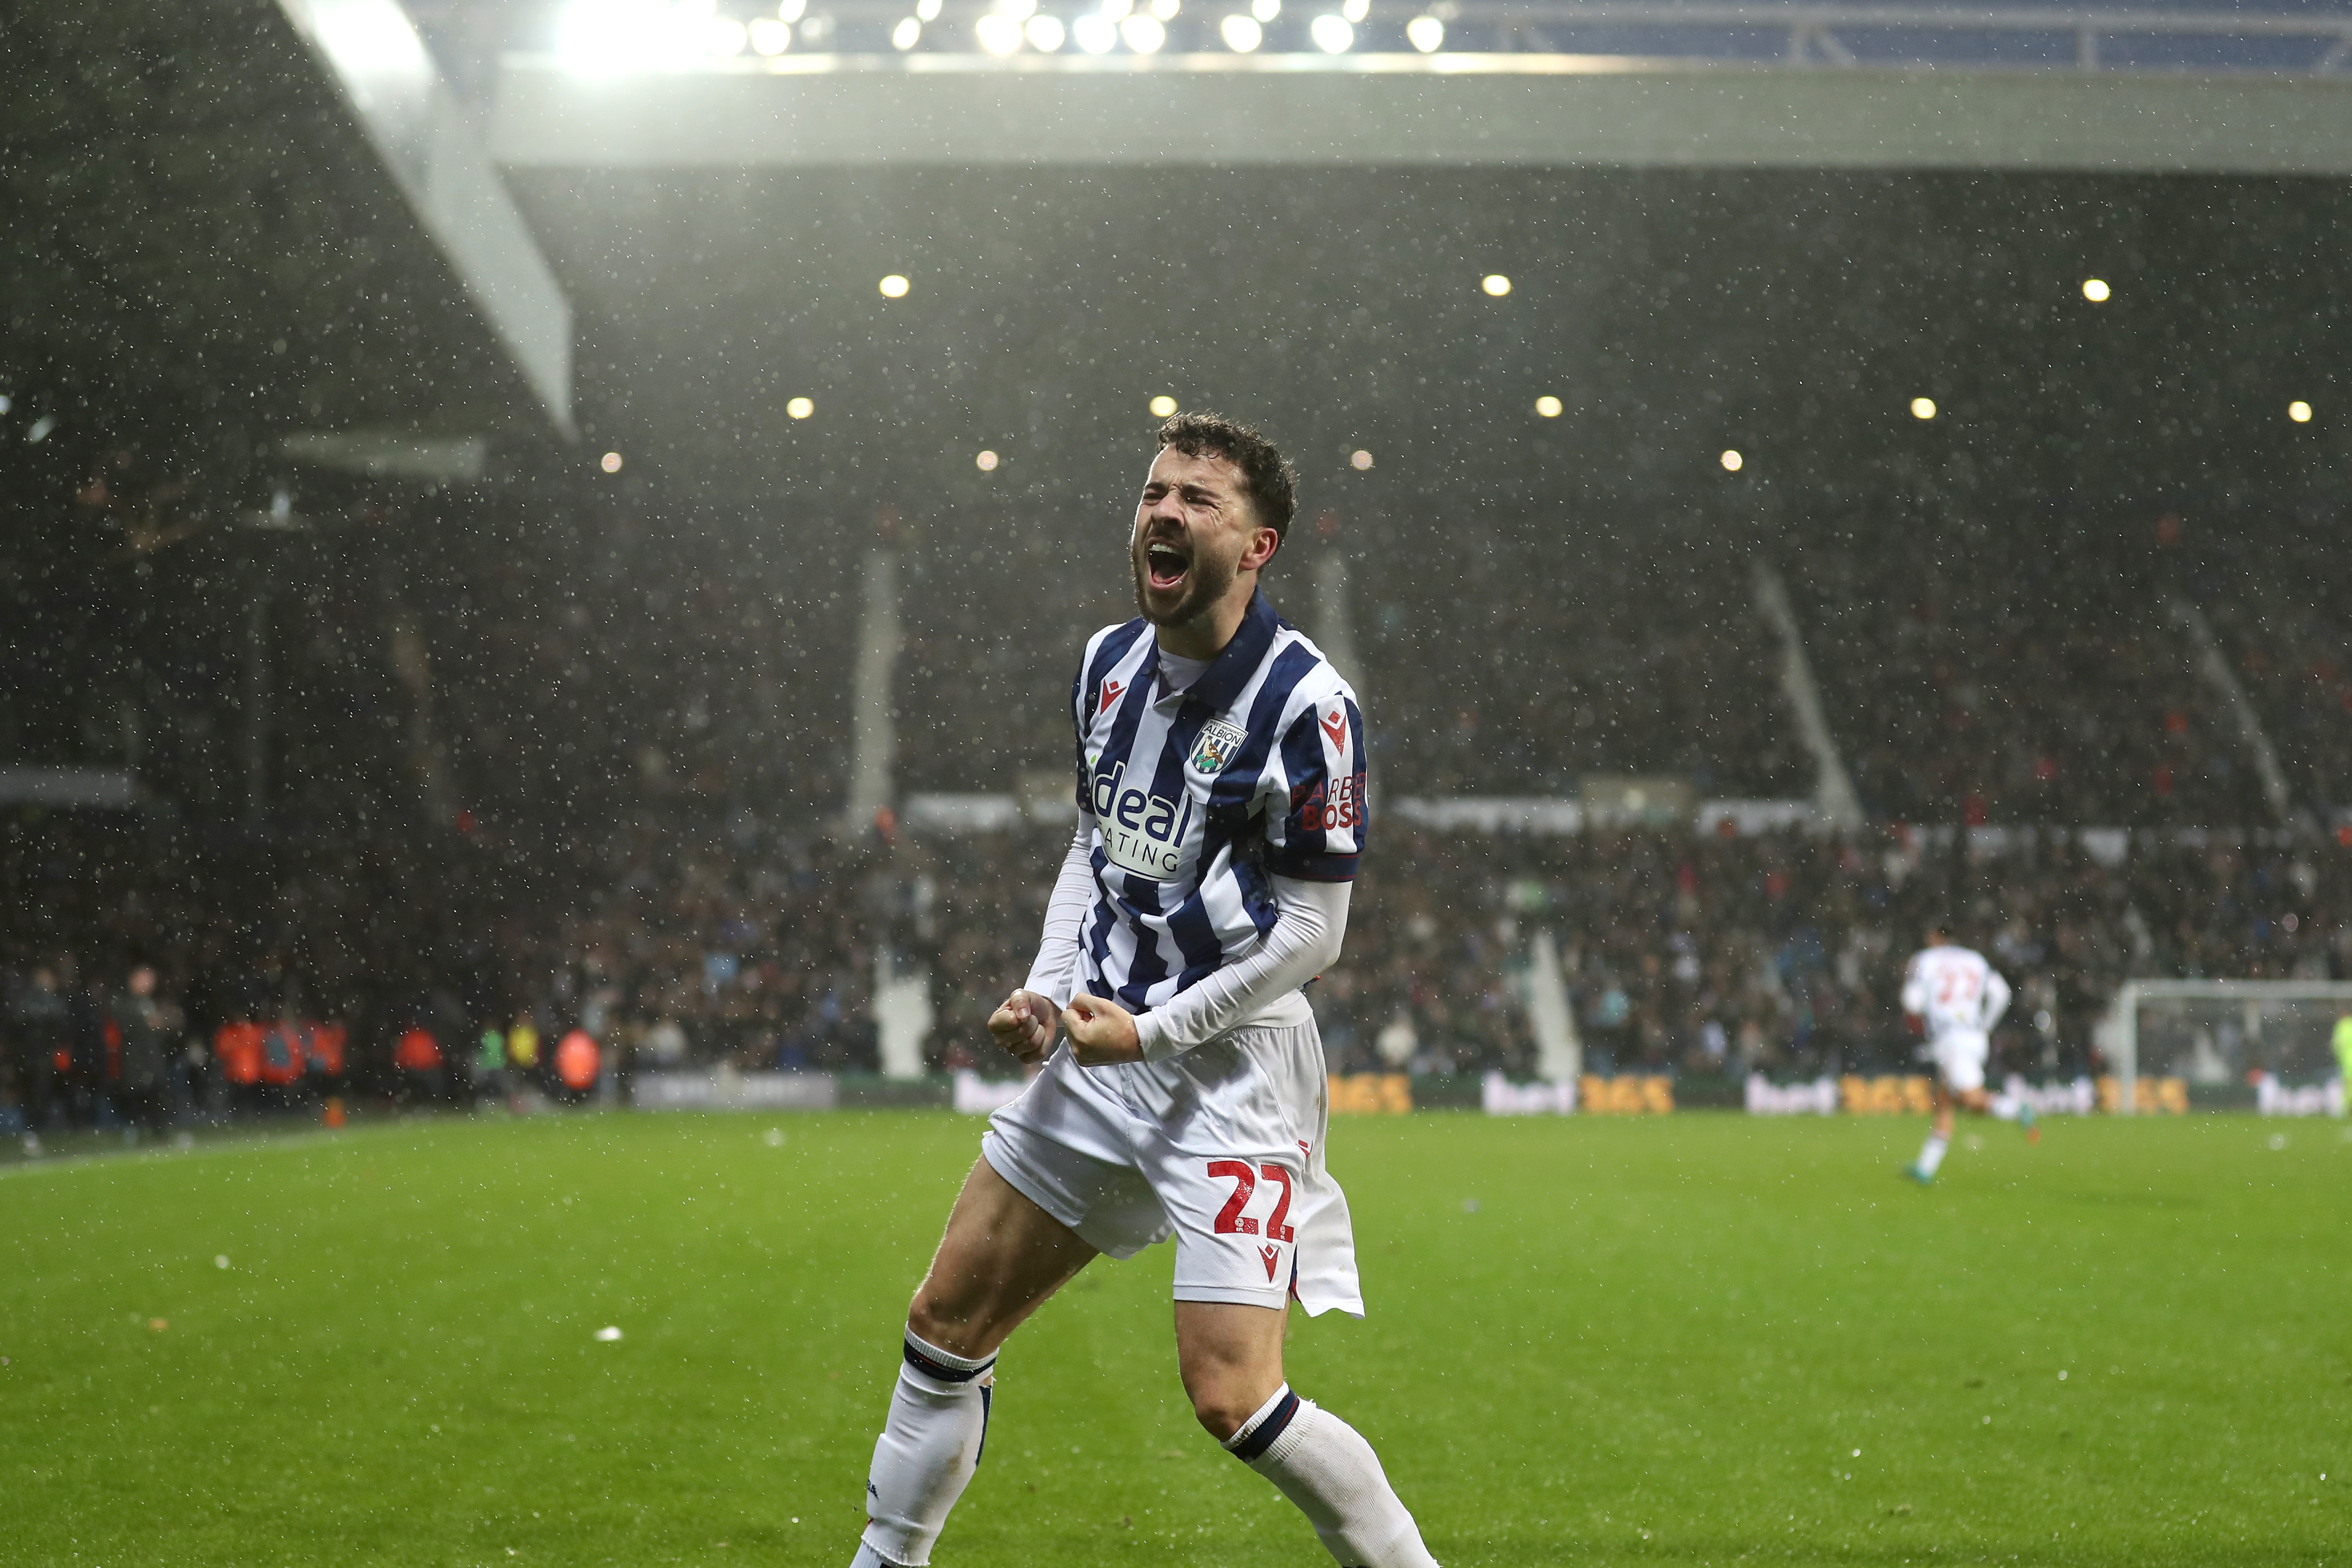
2268	1044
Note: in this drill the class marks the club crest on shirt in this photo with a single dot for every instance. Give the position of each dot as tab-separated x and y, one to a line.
1219	744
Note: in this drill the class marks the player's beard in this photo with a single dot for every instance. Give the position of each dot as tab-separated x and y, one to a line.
1206	582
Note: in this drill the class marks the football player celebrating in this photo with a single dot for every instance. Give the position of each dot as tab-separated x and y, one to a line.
1221	814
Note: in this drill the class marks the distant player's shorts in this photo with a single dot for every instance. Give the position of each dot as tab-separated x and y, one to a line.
1221	1147
1961	1059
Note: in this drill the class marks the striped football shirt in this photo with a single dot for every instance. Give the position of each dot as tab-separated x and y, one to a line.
1198	797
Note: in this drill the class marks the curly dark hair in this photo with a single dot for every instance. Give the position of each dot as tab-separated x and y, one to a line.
1272	482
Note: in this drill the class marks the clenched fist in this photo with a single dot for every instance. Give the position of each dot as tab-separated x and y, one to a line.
1024	1025
1102	1034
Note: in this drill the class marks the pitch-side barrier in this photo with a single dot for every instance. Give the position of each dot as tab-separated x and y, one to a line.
1620	1094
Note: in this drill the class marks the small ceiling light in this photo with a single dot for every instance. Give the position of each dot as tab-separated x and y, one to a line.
998	35
1356	10
790	10
1494	283
894	287
1547	405
769	36
906	34
1360	460
1143	34
610	463
1923	408
1096	34
987	462
1265	10
1165	10
1426	34
927	10
800	409
1163	405
2096	290
2299	411
1046	34
1732	462
1331	33
1242	34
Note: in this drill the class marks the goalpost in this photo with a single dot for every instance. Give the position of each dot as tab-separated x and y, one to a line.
2220	1031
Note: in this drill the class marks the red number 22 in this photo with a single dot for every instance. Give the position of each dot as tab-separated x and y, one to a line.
1230	1221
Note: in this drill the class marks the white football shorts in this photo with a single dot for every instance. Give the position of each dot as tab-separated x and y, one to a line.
1961	1059
1220	1146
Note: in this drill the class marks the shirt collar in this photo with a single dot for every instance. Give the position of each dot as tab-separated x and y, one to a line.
1236	662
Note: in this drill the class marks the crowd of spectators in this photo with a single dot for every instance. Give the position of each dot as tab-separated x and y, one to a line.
1980	675
2291	646
1703	955
1519	660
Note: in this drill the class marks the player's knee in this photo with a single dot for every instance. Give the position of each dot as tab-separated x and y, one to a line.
1222	1408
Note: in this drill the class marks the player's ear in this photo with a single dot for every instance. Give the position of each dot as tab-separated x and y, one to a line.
1264	542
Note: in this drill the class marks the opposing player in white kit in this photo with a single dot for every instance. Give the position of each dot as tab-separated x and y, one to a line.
1221	814
1958	997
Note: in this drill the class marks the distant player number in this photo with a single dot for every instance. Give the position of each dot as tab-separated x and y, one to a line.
1230	1221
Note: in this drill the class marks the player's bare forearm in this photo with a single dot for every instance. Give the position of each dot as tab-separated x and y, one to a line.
1102	1034
1024	1025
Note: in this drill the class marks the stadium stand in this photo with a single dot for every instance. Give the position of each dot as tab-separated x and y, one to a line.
1519	660
1984	674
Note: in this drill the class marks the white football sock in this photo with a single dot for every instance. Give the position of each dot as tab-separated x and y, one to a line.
926	1454
1325	1467
1931	1153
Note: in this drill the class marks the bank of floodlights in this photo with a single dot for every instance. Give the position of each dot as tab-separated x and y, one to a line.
637	35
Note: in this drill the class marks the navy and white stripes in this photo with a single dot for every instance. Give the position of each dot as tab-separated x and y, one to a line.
1198	797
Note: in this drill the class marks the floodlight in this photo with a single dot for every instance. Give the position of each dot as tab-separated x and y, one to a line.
906	34
1547	405
986	462
1242	34
1143	34
769	36
1426	34
1165	10
1331	33
1046	34
1356	10
927	10
2299	411
1360	460
999	35
1264	10
800	409
1019	10
725	36
1096	34
894	287
1118	10
615	35
1923	408
2096	290
1732	462
791	10
1163	405
1496	284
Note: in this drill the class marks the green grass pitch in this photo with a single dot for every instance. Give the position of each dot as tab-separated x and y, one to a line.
1704	1339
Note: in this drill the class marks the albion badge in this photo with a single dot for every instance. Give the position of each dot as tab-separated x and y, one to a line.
1219	744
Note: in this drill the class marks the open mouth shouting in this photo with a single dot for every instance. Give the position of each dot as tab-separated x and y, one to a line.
1166	565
